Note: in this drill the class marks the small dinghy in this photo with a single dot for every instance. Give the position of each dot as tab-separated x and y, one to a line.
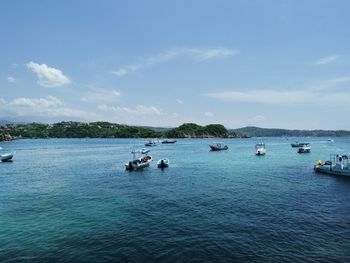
218	146
260	149
6	156
163	163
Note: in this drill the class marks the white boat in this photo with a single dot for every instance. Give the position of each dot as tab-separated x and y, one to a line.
218	146
299	144
138	163
304	149
151	143
142	151
163	163
337	165
6	156
260	149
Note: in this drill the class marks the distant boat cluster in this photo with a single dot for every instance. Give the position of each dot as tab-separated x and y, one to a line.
337	165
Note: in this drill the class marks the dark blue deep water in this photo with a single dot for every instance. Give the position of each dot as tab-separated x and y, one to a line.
70	200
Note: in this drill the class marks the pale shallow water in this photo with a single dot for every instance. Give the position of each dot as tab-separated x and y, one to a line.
70	200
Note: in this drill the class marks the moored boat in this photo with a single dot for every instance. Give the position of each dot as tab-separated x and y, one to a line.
139	163
260	149
169	141
299	144
305	148
337	165
151	143
6	156
163	163
218	146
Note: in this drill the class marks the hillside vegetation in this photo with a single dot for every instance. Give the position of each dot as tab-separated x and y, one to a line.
264	132
110	130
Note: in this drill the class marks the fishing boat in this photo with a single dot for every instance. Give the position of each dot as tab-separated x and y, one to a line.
218	146
6	156
306	148
141	162
163	163
338	164
299	144
151	143
169	141
260	149
138	163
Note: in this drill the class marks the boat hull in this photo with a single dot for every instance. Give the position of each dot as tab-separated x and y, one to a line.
260	153
327	169
214	148
6	157
167	142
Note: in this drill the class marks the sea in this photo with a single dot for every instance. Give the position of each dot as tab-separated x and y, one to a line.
71	200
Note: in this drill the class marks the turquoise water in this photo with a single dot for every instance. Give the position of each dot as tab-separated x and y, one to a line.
70	200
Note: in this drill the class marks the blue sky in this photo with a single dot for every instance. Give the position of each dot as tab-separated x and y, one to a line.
278	63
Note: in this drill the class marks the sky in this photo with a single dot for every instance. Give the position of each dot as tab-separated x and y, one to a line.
266	63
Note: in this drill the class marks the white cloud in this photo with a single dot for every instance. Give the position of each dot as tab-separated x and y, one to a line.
325	60
209	114
48	77
46	102
179	101
44	107
197	54
101	95
281	97
139	110
11	79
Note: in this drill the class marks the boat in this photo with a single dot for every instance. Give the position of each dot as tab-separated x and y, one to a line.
163	163
299	144
338	164
138	163
151	143
6	156
260	149
142	151
218	146
305	148
169	141
330	140
141	162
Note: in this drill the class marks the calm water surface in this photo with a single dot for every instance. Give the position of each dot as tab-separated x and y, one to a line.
70	200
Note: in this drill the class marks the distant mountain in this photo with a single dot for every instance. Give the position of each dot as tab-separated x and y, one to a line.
252	131
72	129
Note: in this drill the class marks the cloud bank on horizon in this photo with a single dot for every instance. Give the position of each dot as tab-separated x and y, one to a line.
268	64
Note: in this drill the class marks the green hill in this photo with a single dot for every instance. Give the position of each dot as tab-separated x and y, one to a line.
265	132
192	130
